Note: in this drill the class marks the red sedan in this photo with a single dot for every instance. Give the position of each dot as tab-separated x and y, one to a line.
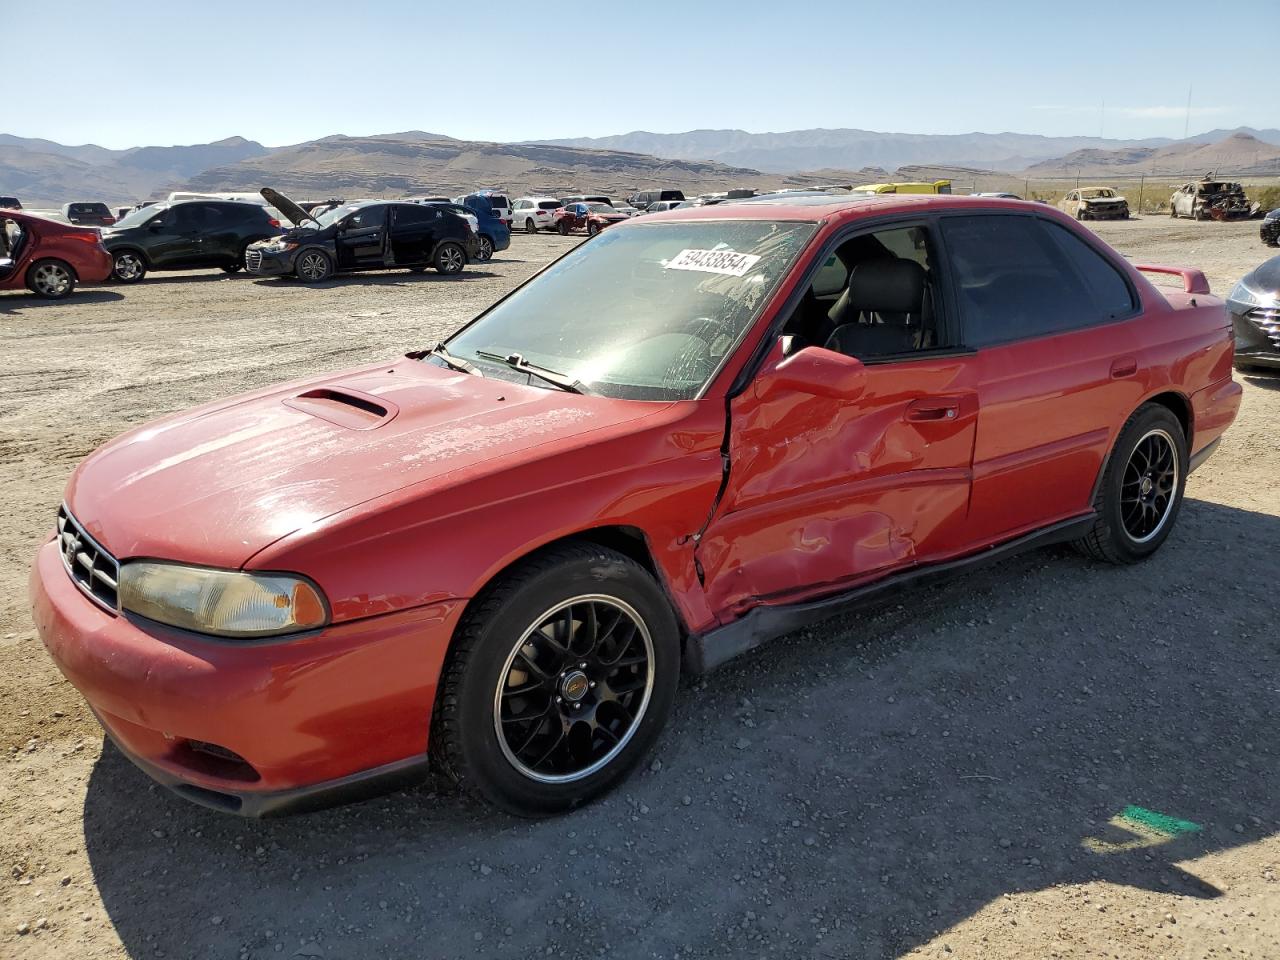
47	257
707	428
591	217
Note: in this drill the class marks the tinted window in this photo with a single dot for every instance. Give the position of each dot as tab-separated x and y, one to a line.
548	205
1112	297
412	213
372	216
1014	281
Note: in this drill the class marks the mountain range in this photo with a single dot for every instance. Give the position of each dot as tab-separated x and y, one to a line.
43	172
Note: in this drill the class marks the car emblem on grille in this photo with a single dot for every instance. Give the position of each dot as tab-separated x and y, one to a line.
70	547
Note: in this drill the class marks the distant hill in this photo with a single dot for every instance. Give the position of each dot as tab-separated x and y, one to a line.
1239	154
377	166
41	172
851	148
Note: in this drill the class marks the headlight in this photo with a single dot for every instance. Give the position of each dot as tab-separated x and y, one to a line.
225	603
1247	295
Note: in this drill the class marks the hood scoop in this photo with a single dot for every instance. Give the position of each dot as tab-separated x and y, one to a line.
345	407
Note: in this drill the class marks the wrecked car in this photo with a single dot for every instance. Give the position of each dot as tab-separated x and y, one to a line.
364	235
1269	229
1210	199
700	430
592	217
1095	203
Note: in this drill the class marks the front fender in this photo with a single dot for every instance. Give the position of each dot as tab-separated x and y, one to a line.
419	546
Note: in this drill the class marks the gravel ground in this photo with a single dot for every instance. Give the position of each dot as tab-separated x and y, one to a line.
933	778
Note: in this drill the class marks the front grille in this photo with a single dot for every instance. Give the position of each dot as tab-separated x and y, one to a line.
253	260
90	567
1267	319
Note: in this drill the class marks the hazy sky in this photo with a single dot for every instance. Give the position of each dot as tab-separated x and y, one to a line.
147	72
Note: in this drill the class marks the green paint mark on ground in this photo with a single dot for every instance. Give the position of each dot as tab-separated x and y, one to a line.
1161	823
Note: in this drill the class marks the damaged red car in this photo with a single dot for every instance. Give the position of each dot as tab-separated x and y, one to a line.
47	257
591	217
699	431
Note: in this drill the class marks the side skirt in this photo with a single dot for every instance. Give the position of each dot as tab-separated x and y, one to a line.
705	652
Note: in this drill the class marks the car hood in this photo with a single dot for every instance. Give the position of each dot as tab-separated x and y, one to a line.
217	484
1264	278
294	213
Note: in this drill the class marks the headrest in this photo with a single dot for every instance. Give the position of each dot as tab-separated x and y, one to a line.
889	285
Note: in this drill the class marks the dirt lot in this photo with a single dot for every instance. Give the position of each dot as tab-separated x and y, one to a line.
923	780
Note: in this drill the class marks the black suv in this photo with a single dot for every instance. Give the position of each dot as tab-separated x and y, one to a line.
367	235
186	235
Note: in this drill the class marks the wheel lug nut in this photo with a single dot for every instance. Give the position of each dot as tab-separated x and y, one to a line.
558	700
593	684
577	706
582	666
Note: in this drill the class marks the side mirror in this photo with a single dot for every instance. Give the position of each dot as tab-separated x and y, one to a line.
813	370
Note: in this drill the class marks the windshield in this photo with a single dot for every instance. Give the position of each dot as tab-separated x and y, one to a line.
1100	193
600	208
644	312
140	216
337	213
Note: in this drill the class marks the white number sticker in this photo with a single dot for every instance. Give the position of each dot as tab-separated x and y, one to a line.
724	262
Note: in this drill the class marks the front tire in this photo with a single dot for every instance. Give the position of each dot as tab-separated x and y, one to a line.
560	678
449	258
592	229
127	266
51	279
1140	494
313	266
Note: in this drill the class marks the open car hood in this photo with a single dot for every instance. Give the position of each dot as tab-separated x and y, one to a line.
291	210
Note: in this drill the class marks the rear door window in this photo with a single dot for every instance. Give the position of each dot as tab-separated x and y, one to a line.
1014	281
413	214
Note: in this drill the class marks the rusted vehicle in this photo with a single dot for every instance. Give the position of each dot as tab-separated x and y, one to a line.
700	430
1095	203
1209	199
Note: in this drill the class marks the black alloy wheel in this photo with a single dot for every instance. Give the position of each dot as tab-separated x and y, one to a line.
1140	492
574	689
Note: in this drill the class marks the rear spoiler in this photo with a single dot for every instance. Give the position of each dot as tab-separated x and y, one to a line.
1193	281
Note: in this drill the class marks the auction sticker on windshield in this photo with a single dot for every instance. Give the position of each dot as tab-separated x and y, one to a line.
724	262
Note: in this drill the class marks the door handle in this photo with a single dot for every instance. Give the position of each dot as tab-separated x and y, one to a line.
924	411
1124	367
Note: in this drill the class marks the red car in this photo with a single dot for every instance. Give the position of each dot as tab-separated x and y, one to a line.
47	257
705	429
592	217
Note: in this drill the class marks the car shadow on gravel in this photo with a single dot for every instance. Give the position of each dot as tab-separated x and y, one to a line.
16	303
852	790
1259	378
400	278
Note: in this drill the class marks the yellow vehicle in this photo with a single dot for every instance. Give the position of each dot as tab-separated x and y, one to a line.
937	186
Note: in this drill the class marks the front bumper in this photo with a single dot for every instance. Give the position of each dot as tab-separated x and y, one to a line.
1269	232
96	268
1257	334
251	727
1105	213
266	264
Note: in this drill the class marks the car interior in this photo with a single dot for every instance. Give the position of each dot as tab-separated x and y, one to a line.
11	241
873	297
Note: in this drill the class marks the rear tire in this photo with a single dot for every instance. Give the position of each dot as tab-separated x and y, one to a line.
449	258
560	678
51	279
313	266
563	228
1140	494
128	266
530	226
484	250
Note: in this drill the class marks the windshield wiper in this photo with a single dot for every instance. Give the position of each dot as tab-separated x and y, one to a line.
455	363
518	363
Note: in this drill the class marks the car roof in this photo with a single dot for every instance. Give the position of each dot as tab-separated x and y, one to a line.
839	207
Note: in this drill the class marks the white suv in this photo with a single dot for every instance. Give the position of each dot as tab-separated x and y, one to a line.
534	213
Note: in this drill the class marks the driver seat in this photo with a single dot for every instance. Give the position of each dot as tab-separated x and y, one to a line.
881	311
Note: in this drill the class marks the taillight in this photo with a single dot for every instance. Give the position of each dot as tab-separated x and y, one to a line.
86	237
274	222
